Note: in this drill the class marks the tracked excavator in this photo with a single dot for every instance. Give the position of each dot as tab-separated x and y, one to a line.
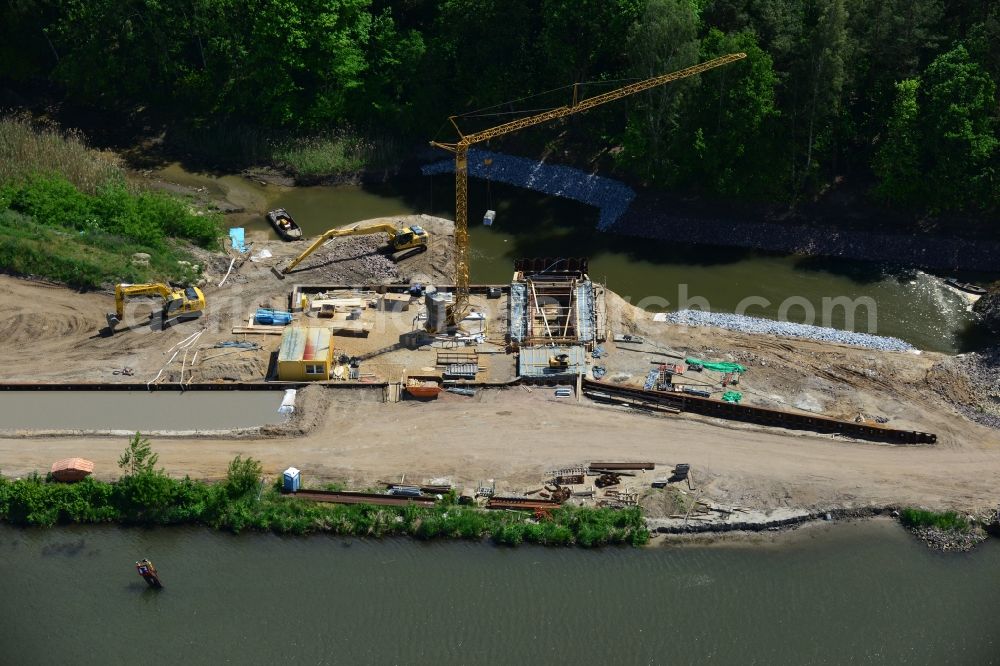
403	243
178	303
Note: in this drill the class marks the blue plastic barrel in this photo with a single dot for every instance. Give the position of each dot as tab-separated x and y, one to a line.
268	317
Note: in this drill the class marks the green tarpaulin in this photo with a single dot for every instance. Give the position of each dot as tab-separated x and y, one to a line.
720	367
732	396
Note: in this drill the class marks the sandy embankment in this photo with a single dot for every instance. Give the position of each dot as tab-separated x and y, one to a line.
516	437
51	334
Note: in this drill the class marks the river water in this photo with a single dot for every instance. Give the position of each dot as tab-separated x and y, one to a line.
656	275
855	593
138	410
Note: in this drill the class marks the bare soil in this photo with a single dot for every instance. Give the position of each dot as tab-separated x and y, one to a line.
52	334
68	329
910	391
516	437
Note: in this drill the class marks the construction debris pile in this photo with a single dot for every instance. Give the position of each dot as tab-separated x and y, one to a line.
988	309
972	383
365	253
613	485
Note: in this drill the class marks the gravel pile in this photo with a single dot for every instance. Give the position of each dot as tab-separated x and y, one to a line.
784	329
950	540
988	307
983	372
610	196
355	257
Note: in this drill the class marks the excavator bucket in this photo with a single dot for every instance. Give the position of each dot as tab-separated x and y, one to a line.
113	321
277	273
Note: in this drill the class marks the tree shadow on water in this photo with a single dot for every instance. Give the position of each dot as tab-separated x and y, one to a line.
547	226
860	272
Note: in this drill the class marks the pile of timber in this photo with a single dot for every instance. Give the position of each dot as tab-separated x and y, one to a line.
346	497
341	327
429	488
617	499
521	504
622	465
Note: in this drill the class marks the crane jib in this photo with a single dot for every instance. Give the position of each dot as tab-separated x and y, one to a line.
461	150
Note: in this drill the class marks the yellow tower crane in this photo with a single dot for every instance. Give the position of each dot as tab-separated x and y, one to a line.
461	150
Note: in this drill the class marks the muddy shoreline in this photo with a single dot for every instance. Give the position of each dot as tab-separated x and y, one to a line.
652	215
747	530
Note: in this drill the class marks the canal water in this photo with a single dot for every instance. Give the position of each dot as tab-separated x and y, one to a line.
656	275
138	410
844	594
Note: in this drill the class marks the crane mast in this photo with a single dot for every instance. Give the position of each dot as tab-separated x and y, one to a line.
461	150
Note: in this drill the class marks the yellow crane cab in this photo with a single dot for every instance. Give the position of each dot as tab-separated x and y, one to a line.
408	238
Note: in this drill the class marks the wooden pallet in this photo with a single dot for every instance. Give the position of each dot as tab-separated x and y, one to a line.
449	357
259	330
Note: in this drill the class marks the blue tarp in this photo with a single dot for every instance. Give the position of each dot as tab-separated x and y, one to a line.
268	317
236	235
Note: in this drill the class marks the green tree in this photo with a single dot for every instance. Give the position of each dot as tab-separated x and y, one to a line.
281	63
394	57
897	163
580	40
892	40
664	39
243	477
482	53
726	119
138	458
823	80
960	136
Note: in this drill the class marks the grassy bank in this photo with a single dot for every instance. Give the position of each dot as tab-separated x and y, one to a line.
67	213
316	157
145	496
947	521
322	157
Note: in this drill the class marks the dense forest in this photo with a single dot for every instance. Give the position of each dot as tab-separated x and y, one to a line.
899	96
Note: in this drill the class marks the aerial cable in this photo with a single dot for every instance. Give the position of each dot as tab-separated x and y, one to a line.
514	101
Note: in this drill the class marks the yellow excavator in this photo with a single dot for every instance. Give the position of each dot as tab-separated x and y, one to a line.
559	361
178	303
403	242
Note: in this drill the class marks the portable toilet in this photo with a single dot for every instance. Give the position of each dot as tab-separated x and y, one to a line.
291	480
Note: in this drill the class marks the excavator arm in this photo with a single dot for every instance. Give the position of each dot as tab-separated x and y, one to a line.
186	302
395	236
124	291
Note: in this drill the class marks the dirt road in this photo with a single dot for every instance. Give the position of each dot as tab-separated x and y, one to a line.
515	437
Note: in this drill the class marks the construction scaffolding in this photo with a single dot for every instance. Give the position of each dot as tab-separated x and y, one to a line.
552	303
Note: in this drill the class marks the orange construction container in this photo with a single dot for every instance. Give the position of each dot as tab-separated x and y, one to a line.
71	469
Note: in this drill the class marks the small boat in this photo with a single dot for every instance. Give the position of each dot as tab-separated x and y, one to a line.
284	225
422	389
967	287
148	573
